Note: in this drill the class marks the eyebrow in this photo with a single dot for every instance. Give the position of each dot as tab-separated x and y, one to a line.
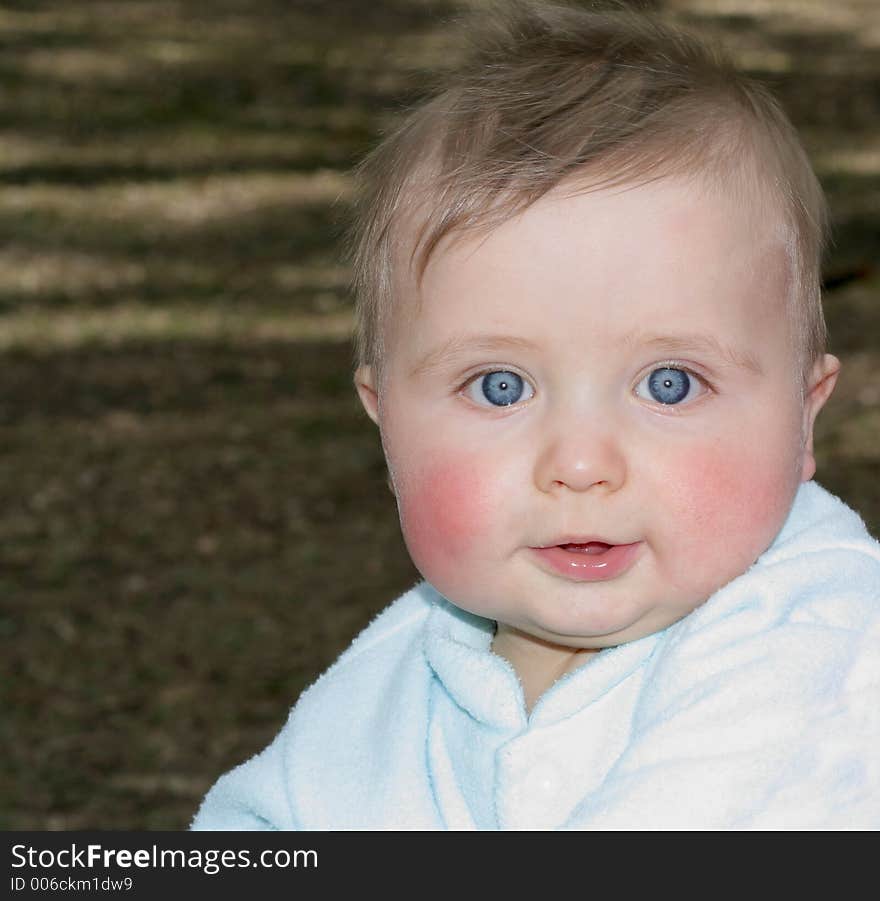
460	344
739	358
457	345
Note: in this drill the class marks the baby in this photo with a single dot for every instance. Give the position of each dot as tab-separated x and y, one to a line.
591	335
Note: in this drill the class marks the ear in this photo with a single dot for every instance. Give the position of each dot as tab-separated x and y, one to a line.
365	382
823	378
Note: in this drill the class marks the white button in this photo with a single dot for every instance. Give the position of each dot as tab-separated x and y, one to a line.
542	781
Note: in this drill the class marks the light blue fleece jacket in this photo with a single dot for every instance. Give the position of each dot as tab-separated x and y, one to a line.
759	709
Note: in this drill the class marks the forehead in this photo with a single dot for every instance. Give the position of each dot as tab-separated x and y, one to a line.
672	251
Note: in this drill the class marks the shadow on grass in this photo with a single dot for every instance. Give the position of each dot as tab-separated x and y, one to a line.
196	531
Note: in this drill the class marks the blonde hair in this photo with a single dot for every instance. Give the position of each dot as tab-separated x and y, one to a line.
595	97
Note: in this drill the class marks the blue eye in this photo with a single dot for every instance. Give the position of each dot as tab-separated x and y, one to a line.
668	386
500	389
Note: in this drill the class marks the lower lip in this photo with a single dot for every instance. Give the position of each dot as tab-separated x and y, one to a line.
582	567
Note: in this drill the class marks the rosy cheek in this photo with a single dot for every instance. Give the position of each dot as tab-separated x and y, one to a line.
728	504
445	511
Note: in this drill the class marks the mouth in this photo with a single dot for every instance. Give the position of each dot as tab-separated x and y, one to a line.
587	547
588	561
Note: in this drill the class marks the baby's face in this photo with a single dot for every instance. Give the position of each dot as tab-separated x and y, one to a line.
594	420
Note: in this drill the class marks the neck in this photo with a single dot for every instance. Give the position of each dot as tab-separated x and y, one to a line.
537	663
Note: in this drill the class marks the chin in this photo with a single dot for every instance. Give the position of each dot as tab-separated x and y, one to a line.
587	635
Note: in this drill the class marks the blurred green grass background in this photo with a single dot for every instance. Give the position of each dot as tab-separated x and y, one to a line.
195	519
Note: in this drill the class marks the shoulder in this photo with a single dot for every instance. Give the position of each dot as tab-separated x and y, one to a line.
823	569
390	632
375	668
336	731
821	524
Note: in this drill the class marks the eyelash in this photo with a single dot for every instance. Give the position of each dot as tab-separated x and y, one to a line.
472	379
691	373
662	364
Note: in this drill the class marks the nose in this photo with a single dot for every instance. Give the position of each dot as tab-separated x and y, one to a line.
580	458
